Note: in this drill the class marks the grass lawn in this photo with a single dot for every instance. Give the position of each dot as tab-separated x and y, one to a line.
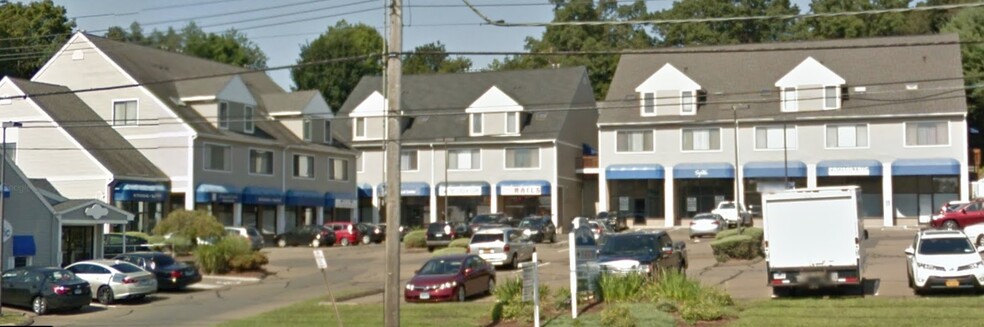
311	313
11	318
645	314
869	311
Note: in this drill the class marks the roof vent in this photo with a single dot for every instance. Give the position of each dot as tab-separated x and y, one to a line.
860	89
912	87
78	55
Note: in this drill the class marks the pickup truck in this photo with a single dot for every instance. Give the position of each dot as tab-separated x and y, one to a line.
734	215
647	253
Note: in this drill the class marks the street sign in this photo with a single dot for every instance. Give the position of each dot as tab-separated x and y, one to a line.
319	258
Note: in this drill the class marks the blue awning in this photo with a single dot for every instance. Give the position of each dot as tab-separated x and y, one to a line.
703	170
650	171
6	191
465	189
508	188
774	169
849	168
262	196
342	200
24	246
365	191
408	189
305	198
206	193
918	167
137	191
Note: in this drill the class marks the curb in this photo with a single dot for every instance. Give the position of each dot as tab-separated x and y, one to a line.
233	278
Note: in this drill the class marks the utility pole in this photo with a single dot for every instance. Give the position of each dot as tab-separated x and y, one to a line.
393	128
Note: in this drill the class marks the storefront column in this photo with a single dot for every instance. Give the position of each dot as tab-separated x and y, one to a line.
319	216
354	215
555	201
494	201
237	214
189	198
602	189
375	205
888	211
669	199
811	175
739	178
281	218
432	216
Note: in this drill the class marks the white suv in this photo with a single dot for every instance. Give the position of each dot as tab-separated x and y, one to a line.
944	259
502	246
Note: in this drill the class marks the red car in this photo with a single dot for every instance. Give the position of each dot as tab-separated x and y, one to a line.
451	278
966	215
345	233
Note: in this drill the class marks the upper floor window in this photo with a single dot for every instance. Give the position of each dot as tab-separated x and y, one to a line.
649	103
303	166
789	99
125	112
408	160
337	169
464	159
702	139
260	162
634	141
518	158
927	133
831	100
477	125
248	124
847	136
771	138
327	131
512	123
306	129
687	103
223	115
218	157
360	127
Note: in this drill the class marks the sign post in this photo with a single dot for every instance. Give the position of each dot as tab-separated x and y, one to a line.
573	264
531	287
319	258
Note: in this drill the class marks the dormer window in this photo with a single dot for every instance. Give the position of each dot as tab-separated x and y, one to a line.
668	91
306	129
789	101
810	86
831	97
512	123
687	103
223	115
248	125
327	131
477	126
648	104
360	127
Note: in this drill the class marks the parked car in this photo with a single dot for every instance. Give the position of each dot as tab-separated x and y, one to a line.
404	230
618	220
113	280
964	215
441	233
345	232
489	219
502	246
371	233
646	253
113	244
975	233
734	214
706	224
755	210
451	277
250	233
310	235
539	228
949	208
44	289
944	259
171	274
601	229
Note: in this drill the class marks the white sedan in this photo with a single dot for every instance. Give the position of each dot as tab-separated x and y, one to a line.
944	259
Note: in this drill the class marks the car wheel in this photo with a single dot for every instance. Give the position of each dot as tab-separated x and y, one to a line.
912	284
491	286
316	243
282	243
512	262
553	238
366	239
39	305
460	294
430	249
105	295
950	224
345	242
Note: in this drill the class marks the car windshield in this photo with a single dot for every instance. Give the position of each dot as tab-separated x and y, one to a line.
704	217
126	268
727	206
253	232
61	276
483	219
531	223
436	228
628	245
951	245
440	267
483	238
163	260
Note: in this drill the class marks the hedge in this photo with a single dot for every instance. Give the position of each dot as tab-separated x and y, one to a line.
449	250
460	243
736	247
754	232
415	239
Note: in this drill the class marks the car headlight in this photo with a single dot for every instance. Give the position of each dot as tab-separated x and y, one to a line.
409	287
929	267
972	266
644	268
448	285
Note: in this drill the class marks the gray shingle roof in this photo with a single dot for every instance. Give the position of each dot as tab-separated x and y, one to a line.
91	131
747	74
437	102
70	204
287	102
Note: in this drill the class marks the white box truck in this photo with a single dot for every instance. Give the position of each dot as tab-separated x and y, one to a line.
813	238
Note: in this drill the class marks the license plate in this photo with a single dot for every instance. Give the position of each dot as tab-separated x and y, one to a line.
425	296
438	235
952	283
486	251
78	291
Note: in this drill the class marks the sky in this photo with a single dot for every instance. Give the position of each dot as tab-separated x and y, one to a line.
281	27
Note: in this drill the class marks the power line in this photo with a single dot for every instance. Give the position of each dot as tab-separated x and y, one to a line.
289	14
195	4
226	14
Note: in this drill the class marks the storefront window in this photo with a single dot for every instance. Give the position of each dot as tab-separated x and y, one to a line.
643	197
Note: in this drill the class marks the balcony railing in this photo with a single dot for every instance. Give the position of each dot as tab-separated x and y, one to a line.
587	162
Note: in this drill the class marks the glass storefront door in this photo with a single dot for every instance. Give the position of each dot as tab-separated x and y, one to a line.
78	243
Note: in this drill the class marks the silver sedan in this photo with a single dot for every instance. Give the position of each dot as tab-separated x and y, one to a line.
706	224
113	280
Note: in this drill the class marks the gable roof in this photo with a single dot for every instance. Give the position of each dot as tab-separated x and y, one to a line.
436	103
746	74
809	71
97	138
291	103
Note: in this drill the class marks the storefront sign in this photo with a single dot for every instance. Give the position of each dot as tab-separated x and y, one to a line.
147	196
691	204
521	190
623	203
346	203
410	192
700	173
460	190
8	230
848	171
225	197
96	211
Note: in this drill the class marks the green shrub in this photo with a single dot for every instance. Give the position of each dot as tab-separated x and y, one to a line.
460	243
666	306
211	260
508	290
617	316
178	244
509	301
450	250
701	312
727	233
190	224
561	299
737	247
754	232
616	288
228	253
248	262
415	239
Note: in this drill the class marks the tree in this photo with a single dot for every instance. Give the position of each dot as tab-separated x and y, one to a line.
29	33
968	25
336	79
433	58
727	32
231	47
191	225
856	26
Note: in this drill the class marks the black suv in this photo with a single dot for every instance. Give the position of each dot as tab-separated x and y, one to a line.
652	252
618	220
539	228
442	233
488	219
